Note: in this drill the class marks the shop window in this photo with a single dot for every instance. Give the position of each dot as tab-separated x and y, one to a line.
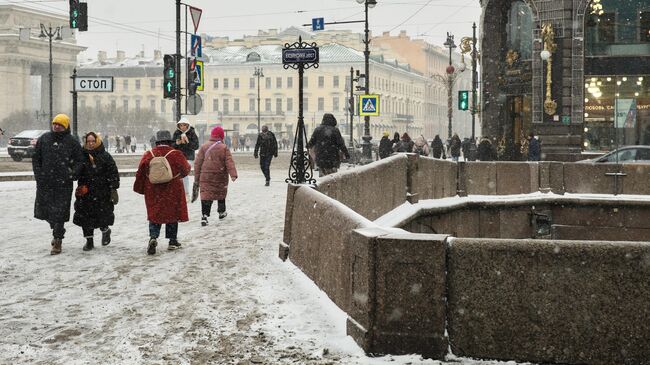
617	28
520	29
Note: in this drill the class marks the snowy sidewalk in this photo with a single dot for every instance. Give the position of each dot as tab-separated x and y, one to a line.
225	298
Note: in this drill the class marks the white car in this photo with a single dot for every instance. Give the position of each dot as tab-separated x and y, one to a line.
627	154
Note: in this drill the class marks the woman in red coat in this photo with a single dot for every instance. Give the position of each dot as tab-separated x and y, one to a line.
212	166
165	202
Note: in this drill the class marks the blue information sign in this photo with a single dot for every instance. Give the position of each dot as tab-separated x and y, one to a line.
317	24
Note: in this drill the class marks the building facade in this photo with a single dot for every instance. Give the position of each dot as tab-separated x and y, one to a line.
589	93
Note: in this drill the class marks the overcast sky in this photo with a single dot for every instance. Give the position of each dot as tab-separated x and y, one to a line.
135	25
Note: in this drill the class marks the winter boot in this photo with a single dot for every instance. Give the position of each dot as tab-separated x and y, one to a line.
222	215
106	237
151	249
89	244
56	246
204	220
267	183
174	245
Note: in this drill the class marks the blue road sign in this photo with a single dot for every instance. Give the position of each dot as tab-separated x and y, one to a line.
317	24
196	46
299	55
200	76
369	105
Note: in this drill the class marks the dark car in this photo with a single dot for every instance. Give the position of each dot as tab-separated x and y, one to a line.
627	154
22	144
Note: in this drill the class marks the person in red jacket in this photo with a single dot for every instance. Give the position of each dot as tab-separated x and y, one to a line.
165	202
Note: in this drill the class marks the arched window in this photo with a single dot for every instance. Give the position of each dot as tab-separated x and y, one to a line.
520	29
617	28
253	57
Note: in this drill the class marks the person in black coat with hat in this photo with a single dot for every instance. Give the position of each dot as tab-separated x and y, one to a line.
96	193
56	162
328	144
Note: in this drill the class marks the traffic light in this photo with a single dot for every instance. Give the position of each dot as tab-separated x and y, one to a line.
74	14
169	77
192	76
463	99
78	15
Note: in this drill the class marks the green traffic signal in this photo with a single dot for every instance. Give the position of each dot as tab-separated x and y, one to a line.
170	73
463	99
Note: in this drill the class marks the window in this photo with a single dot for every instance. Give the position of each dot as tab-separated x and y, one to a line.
278	106
251	83
305	104
321	82
268	82
152	105
215	83
125	84
289	82
152	85
137	105
226	106
267	104
225	83
305	82
321	104
335	104
236	82
215	105
289	104
278	82
520	29
235	105
137	84
125	105
251	105
162	106
335	82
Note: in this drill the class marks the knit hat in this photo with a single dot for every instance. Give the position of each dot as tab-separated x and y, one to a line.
386	134
217	133
163	136
62	120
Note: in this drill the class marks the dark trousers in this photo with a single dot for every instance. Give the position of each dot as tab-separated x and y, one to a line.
57	229
89	231
206	206
265	165
171	230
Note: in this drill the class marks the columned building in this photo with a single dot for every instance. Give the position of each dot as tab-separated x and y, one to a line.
590	91
25	66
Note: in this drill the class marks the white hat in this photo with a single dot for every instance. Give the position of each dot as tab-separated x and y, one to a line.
183	121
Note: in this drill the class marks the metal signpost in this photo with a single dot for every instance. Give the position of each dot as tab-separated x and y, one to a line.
300	55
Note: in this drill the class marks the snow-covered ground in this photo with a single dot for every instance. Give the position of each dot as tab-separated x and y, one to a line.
225	298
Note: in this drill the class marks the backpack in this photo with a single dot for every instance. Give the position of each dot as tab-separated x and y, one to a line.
160	171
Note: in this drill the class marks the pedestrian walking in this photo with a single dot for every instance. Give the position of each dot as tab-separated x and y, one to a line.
249	143
266	148
485	150
96	193
161	184
134	144
186	141
534	148
421	147
56	162
438	148
385	146
328	145
405	144
454	147
212	167
118	147
235	142
127	144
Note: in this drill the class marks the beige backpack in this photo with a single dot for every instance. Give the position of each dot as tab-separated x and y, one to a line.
160	171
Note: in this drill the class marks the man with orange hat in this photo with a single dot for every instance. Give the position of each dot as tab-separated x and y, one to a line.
57	162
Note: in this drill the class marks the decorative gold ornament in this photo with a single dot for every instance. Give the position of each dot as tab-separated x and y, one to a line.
511	57
548	37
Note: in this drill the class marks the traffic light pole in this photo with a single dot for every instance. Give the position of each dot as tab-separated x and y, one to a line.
74	105
177	56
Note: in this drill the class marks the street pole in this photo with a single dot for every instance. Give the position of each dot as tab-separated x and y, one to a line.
74	105
366	146
472	146
178	60
50	37
351	105
259	73
49	33
450	76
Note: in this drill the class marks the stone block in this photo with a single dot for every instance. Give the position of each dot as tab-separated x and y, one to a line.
489	223
480	178
636	179
513	178
515	222
570	302
434	179
288	214
588	178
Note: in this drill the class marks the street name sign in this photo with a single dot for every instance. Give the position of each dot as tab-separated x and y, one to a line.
299	55
369	105
93	84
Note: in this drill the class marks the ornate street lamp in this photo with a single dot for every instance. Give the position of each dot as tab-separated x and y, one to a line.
49	32
468	45
548	36
258	72
366	146
449	43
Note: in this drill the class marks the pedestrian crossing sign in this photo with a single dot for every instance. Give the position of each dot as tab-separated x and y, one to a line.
369	105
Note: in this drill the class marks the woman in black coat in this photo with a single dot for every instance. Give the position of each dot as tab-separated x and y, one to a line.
96	191
328	145
437	147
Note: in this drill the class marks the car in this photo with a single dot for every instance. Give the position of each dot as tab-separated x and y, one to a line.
22	145
627	154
